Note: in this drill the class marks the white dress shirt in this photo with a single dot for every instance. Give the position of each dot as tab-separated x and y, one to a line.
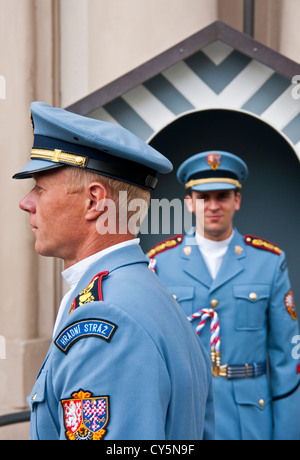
213	252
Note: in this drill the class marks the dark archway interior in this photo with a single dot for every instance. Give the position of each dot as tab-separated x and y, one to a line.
270	204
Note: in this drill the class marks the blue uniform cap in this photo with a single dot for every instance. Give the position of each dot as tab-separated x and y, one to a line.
213	170
64	138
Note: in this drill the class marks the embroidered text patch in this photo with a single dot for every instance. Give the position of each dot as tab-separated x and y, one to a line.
82	329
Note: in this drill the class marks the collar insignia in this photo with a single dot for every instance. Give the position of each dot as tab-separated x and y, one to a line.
238	249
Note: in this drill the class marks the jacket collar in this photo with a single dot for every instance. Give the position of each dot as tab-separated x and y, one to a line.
232	263
128	255
192	261
194	265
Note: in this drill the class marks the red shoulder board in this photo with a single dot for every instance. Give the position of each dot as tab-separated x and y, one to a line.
260	243
165	245
92	293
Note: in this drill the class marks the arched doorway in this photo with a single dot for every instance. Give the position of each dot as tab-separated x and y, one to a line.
270	205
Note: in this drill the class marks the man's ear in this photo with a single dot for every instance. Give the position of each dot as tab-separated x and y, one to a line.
238	200
96	197
189	203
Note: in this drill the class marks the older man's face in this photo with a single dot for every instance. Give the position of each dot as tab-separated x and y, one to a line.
56	216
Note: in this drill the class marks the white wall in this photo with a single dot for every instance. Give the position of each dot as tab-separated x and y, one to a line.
104	39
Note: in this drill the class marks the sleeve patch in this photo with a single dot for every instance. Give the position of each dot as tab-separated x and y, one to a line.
83	329
290	304
86	416
165	245
260	243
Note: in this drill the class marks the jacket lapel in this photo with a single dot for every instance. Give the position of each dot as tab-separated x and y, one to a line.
231	265
192	261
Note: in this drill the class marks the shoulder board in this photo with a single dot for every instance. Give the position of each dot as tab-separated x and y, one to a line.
165	245
260	243
92	293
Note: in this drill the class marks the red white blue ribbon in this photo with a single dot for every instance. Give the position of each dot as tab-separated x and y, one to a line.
205	315
152	265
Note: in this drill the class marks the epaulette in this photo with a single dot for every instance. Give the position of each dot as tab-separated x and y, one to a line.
92	293
165	245
261	243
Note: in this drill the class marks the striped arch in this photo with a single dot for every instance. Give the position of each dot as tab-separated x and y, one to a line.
221	81
217	76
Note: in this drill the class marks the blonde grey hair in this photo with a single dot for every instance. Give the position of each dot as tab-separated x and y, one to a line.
78	178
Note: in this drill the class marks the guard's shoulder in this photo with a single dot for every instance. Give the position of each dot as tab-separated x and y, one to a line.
261	243
91	293
165	245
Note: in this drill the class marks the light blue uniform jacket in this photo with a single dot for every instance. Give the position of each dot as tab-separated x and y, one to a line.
143	367
252	331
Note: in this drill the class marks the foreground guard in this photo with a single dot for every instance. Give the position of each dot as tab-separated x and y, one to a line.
236	292
124	362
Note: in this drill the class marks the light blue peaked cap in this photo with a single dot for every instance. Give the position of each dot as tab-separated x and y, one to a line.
213	170
65	138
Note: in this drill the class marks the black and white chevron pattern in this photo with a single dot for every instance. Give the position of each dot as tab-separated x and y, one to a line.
218	76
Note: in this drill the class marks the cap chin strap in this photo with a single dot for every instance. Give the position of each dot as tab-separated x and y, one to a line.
222	180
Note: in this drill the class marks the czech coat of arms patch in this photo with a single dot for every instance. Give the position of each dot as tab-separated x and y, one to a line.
290	305
214	160
85	416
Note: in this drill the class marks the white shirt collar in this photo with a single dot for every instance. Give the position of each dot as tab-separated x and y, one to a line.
206	244
73	274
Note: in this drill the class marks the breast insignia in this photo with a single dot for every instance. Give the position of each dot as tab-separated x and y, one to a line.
165	245
261	243
92	293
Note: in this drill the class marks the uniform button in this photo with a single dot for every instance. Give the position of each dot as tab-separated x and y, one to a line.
33	397
253	295
214	303
261	402
175	297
